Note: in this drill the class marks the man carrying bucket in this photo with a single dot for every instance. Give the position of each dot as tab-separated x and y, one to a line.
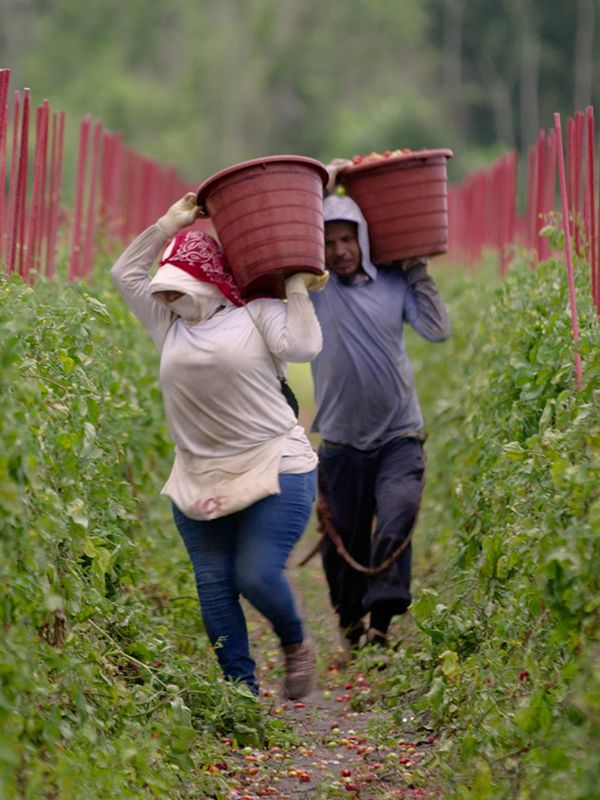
371	457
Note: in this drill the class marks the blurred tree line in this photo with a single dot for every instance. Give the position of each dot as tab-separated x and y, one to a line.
205	84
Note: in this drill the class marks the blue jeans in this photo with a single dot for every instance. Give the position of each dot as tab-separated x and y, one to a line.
245	554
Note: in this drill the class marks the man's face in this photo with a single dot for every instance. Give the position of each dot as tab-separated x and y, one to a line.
342	251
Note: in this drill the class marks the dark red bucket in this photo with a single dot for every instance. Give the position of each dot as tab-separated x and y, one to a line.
405	201
268	216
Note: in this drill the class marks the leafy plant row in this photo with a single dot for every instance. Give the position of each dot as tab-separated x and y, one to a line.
107	687
508	666
107	684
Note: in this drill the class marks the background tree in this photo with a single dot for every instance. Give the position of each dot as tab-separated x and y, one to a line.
205	84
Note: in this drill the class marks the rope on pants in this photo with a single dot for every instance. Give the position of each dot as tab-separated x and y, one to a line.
326	528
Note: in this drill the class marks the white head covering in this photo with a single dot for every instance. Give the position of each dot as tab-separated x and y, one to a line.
203	298
342	207
194	264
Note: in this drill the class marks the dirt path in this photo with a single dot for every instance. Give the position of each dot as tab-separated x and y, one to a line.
347	740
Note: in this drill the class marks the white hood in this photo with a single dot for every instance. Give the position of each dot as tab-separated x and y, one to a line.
203	298
342	207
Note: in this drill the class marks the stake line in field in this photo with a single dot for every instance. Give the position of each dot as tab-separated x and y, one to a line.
565	222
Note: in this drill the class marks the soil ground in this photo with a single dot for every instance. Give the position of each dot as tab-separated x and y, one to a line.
348	740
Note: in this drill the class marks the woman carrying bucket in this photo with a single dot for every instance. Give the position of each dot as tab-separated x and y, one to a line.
243	479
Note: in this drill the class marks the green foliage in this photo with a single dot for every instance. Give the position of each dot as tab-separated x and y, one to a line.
204	85
108	687
508	667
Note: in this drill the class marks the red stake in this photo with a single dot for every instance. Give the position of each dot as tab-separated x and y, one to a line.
4	81
579	228
591	207
531	197
20	202
565	220
42	237
58	139
11	238
38	191
90	226
75	263
540	242
550	188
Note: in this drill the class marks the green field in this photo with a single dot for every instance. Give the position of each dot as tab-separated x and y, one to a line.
107	685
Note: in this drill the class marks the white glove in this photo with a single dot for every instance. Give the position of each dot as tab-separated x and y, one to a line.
180	215
333	168
305	282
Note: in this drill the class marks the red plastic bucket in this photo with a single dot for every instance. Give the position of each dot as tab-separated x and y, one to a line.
268	216
405	202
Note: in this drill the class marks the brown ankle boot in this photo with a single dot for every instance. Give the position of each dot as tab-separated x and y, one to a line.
300	668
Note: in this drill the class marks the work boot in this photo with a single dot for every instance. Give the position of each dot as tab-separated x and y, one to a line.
300	668
378	643
350	638
376	638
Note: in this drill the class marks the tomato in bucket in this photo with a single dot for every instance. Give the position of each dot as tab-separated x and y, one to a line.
405	201
268	216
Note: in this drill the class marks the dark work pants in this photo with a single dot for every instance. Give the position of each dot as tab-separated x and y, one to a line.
361	486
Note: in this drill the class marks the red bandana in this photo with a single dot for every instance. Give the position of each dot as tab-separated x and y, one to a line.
201	256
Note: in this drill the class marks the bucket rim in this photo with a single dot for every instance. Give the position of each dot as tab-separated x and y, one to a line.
386	161
208	184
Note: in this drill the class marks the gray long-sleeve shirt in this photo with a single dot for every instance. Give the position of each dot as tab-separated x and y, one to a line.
364	382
